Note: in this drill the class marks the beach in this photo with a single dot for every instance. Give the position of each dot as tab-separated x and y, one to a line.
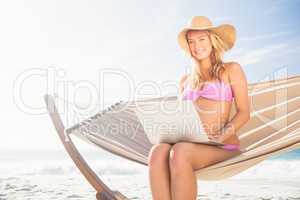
97	57
52	175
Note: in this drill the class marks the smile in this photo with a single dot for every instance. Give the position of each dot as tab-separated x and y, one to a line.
199	51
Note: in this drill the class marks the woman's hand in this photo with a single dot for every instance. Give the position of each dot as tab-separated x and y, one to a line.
218	136
223	134
215	136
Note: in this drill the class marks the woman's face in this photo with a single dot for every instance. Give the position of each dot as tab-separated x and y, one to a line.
199	43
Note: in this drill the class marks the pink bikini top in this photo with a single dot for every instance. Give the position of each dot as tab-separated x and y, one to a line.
218	91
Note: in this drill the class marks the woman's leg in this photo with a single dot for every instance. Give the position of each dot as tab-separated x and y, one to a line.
159	173
185	159
183	180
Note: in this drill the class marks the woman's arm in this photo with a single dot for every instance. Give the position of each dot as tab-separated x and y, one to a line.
181	83
239	86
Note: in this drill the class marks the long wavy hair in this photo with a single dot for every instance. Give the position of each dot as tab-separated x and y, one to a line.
195	79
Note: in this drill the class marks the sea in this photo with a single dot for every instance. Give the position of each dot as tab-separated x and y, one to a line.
50	174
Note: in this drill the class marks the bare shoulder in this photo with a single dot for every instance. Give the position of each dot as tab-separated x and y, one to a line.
239	86
230	66
182	80
235	72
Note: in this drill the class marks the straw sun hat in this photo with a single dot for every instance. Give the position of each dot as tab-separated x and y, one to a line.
226	32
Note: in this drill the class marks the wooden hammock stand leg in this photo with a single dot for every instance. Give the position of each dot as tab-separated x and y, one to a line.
103	191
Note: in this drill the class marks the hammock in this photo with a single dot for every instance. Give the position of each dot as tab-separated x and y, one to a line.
273	129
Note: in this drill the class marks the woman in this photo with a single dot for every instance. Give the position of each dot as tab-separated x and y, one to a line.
212	85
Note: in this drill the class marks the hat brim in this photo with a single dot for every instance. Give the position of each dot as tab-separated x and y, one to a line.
226	32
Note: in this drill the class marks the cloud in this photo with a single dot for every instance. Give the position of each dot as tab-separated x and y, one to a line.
264	36
246	57
223	19
276	5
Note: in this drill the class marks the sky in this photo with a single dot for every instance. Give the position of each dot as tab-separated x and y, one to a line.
97	52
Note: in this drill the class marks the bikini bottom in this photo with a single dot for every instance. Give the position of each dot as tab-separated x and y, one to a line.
231	147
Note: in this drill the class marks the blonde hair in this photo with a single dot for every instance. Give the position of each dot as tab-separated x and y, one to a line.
216	56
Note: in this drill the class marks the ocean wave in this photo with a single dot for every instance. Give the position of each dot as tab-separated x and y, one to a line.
273	169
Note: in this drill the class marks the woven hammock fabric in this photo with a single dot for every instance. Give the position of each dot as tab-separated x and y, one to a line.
273	129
